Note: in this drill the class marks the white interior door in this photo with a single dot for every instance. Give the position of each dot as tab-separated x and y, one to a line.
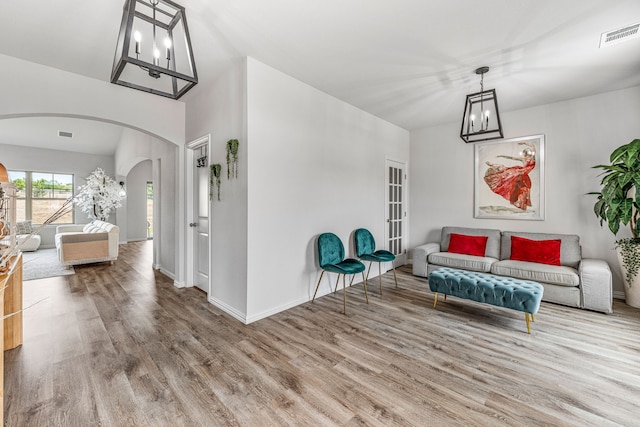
197	213
201	228
396	211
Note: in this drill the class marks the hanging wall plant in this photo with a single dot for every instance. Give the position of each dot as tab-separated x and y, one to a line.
214	179
232	158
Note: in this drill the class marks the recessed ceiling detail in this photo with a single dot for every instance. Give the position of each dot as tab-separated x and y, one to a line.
620	35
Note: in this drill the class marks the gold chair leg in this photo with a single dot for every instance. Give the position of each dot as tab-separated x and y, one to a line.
317	286
380	276
435	300
366	294
526	317
337	281
344	292
533	318
353	276
369	270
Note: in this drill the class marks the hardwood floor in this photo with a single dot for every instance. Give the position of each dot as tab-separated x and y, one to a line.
121	346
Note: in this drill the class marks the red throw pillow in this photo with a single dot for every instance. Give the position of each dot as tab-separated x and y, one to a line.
541	251
467	245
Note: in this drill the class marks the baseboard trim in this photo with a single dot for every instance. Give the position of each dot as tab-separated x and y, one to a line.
277	310
619	295
167	273
231	311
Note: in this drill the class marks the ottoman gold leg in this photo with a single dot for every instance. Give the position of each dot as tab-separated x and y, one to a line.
533	318
526	317
435	300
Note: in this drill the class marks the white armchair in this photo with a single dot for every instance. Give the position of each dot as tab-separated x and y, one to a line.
87	243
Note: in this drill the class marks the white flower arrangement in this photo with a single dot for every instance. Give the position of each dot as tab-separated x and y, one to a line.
99	196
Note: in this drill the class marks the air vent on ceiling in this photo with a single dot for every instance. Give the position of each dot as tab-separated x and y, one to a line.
620	35
65	134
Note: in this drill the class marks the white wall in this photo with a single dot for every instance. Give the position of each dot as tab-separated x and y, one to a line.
579	133
40	160
221	112
315	164
136	185
309	163
135	147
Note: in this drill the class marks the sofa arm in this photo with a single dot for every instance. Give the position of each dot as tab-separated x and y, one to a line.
69	228
596	285
420	255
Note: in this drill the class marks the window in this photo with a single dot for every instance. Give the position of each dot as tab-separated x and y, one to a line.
40	194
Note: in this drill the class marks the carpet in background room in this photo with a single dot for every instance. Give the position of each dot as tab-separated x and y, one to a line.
43	263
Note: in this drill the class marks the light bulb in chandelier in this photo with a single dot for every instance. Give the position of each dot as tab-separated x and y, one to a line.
167	45
138	38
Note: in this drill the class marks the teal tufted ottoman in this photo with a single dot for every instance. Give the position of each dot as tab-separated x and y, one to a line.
516	294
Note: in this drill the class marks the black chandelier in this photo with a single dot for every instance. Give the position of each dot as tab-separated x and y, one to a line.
154	52
481	119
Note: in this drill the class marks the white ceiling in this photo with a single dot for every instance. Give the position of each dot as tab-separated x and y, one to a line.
410	62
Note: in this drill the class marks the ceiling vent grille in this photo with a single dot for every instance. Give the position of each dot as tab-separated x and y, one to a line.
65	134
620	35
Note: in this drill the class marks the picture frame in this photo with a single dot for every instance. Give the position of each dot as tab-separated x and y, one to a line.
509	179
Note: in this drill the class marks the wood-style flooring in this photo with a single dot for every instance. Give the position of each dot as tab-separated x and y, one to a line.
121	346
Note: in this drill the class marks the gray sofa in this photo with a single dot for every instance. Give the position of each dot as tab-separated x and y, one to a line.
577	282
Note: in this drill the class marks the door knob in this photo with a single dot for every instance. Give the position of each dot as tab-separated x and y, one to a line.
192	224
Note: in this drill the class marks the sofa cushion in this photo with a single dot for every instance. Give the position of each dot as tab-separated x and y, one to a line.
556	275
464	262
493	238
90	228
570	252
542	251
468	245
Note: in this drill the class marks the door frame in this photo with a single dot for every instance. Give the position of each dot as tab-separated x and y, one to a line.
405	204
190	213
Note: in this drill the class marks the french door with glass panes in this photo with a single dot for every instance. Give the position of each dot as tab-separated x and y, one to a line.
396	210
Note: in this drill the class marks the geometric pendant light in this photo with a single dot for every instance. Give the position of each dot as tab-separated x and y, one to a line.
154	52
481	119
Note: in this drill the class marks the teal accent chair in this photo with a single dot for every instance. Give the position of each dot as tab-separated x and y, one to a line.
366	251
331	258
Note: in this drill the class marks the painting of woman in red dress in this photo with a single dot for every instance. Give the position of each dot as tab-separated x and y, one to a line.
513	182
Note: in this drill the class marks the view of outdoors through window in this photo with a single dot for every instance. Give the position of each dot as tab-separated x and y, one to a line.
40	194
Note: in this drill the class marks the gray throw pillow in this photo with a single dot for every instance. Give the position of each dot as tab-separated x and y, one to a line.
24	227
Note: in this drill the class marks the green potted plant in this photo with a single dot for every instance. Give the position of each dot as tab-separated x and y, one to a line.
618	203
214	179
232	158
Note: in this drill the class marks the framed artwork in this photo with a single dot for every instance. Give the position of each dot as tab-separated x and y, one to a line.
509	179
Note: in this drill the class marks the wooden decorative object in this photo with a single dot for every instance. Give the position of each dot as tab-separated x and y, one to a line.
4	175
11	328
